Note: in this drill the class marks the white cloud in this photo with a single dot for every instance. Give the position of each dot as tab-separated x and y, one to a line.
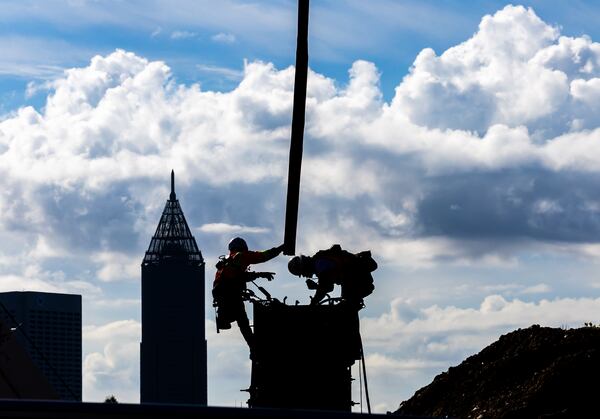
537	289
123	328
94	101
492	78
228	73
43	249
116	303
224	38
379	363
111	361
405	323
118	266
19	283
34	279
488	150
156	32
35	87
412	344
183	35
224	228
37	57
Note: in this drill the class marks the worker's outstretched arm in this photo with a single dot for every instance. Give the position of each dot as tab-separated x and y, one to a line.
252	258
251	276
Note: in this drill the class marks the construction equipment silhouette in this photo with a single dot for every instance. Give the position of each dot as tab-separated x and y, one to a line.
302	354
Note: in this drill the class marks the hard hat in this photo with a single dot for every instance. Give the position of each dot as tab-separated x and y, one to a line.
238	244
298	264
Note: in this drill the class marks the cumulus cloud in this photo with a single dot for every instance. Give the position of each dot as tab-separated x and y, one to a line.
111	361
412	344
495	77
117	266
487	151
357	146
404	171
406	344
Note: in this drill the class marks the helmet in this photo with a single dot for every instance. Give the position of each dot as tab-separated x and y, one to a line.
238	244
298	265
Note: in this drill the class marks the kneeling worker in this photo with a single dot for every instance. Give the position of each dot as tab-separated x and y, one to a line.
230	284
337	266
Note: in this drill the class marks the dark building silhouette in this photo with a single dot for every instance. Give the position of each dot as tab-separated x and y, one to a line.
20	378
48	327
303	355
173	347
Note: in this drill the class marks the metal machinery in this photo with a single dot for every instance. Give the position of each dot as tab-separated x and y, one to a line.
303	354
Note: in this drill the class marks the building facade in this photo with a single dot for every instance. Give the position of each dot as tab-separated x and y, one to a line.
173	348
48	327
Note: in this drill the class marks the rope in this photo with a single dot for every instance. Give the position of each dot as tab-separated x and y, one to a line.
364	368
360	385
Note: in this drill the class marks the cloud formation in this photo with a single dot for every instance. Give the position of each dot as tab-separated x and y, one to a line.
488	150
413	344
523	164
111	362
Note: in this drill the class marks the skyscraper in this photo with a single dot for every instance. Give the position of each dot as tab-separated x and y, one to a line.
48	326
173	347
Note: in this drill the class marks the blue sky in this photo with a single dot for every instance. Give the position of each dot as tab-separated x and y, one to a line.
391	33
459	142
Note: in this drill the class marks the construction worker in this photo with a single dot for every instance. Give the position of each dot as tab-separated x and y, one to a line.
230	284
336	266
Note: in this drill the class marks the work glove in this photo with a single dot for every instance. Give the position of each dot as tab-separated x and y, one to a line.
312	285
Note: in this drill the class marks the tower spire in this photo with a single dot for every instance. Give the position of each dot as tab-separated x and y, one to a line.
172	197
173	237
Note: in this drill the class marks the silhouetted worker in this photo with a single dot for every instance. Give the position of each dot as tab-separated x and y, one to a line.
337	266
230	284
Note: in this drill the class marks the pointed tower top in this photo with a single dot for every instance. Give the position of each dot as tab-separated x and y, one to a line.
173	239
172	197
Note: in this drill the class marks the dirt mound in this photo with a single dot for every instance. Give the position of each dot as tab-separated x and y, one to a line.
528	373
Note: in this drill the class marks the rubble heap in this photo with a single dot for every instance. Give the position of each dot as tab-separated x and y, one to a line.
534	372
